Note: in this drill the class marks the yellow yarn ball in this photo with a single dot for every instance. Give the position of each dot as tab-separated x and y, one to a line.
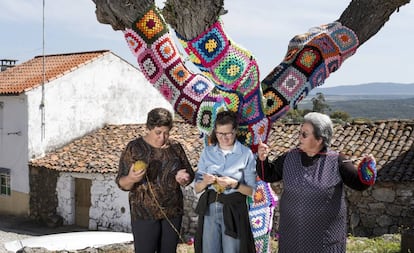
139	165
219	189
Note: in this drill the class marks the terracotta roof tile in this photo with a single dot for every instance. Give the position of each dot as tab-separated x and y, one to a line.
29	74
391	142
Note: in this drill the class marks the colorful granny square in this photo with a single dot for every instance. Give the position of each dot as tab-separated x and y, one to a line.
178	73
251	110
308	59
260	130
230	69
187	109
207	113
167	89
250	81
332	64
165	49
210	46
274	102
318	76
291	54
232	101
135	43
346	40
260	221
325	44
229	98
244	135
290	82
262	243
150	26
272	78
150	66
262	197
301	94
205	117
198	88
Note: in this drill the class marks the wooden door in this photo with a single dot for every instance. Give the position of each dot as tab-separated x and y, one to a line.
82	201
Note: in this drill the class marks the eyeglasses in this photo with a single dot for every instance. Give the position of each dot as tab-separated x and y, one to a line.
229	134
305	135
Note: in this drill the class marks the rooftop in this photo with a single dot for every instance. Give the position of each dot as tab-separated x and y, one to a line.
29	75
391	142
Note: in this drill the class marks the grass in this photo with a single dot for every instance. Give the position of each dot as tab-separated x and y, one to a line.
383	244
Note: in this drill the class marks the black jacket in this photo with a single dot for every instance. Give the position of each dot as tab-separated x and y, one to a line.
236	219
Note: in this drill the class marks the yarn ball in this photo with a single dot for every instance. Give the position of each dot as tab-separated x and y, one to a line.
367	171
139	165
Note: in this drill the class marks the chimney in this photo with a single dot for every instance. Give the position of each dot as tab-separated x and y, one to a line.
6	63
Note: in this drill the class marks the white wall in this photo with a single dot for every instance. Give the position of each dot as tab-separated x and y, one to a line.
105	91
109	205
13	141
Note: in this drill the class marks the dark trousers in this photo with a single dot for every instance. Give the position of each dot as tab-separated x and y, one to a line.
159	236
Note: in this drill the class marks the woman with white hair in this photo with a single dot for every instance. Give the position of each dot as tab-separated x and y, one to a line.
312	207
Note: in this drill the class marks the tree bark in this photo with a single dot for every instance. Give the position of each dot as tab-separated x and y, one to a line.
367	17
120	14
191	17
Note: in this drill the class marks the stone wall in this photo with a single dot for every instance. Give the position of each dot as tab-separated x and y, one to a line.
52	193
385	208
43	197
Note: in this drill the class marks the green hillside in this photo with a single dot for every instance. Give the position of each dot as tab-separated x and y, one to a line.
374	109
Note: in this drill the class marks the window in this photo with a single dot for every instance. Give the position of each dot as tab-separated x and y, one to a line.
5	182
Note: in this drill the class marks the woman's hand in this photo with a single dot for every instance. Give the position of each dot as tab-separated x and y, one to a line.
182	177
370	157
208	179
226	182
136	175
262	151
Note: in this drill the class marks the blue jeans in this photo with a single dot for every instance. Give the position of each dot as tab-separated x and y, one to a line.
214	238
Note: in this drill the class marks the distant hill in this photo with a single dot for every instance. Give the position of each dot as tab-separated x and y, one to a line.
372	101
374	89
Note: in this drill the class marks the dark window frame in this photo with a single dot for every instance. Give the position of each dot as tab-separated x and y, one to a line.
5	185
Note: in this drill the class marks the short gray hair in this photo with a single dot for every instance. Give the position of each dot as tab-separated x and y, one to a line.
322	126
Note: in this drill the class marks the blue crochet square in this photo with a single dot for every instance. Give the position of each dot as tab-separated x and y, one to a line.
210	47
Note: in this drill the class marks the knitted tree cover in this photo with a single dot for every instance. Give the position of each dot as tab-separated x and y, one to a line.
229	80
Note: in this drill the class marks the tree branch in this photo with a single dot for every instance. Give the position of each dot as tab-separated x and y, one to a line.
190	18
367	17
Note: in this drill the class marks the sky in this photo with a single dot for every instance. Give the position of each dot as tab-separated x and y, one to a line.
264	27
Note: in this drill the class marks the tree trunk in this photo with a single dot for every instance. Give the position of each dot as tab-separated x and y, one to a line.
189	18
367	17
120	14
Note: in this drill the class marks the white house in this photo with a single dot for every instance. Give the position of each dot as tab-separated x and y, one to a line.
51	100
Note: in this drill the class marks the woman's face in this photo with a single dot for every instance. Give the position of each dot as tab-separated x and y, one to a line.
158	136
307	141
226	135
